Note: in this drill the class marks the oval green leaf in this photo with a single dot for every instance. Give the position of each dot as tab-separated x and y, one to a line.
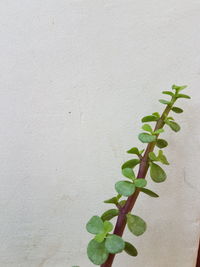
130	249
174	126
157	174
161	143
112	200
140	182
177	110
125	188
165	102
149	192
146	138
147	128
134	150
130	163
161	130
168	93
149	118
183	96
97	252
109	214
136	225
129	173
108	226
95	225
114	244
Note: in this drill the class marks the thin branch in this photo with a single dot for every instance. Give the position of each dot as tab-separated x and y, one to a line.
143	168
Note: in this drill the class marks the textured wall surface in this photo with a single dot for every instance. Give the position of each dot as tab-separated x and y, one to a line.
76	77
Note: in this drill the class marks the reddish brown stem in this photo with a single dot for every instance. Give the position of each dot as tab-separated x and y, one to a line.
143	168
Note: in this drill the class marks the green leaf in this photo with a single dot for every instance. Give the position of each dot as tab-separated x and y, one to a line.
170	118
125	188
109	214
161	143
156	114
140	182
114	244
130	249
136	225
100	237
152	156
183	96
95	225
173	125
97	252
148	192
112	200
162	158
149	118
147	127
146	138
108	226
165	102
177	110
157	173
134	150
130	163
129	173
168	93
161	130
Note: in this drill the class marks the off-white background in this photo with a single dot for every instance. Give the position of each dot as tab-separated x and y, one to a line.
75	79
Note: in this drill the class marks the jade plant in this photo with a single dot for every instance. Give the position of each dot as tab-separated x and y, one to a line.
105	245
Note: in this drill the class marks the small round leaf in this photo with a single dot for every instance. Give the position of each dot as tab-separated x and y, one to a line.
146	127
125	188
129	173
97	252
174	126
146	138
130	249
114	244
136	225
108	226
95	225
149	118
157	174
165	102
130	163
161	143
134	150
177	110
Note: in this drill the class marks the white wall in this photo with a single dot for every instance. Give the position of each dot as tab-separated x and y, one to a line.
75	79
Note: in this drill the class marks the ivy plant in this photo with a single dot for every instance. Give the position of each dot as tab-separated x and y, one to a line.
105	244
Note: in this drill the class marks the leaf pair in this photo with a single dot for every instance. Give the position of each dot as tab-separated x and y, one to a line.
98	252
146	127
126	188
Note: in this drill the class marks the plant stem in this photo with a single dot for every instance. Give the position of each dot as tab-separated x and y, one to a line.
143	168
